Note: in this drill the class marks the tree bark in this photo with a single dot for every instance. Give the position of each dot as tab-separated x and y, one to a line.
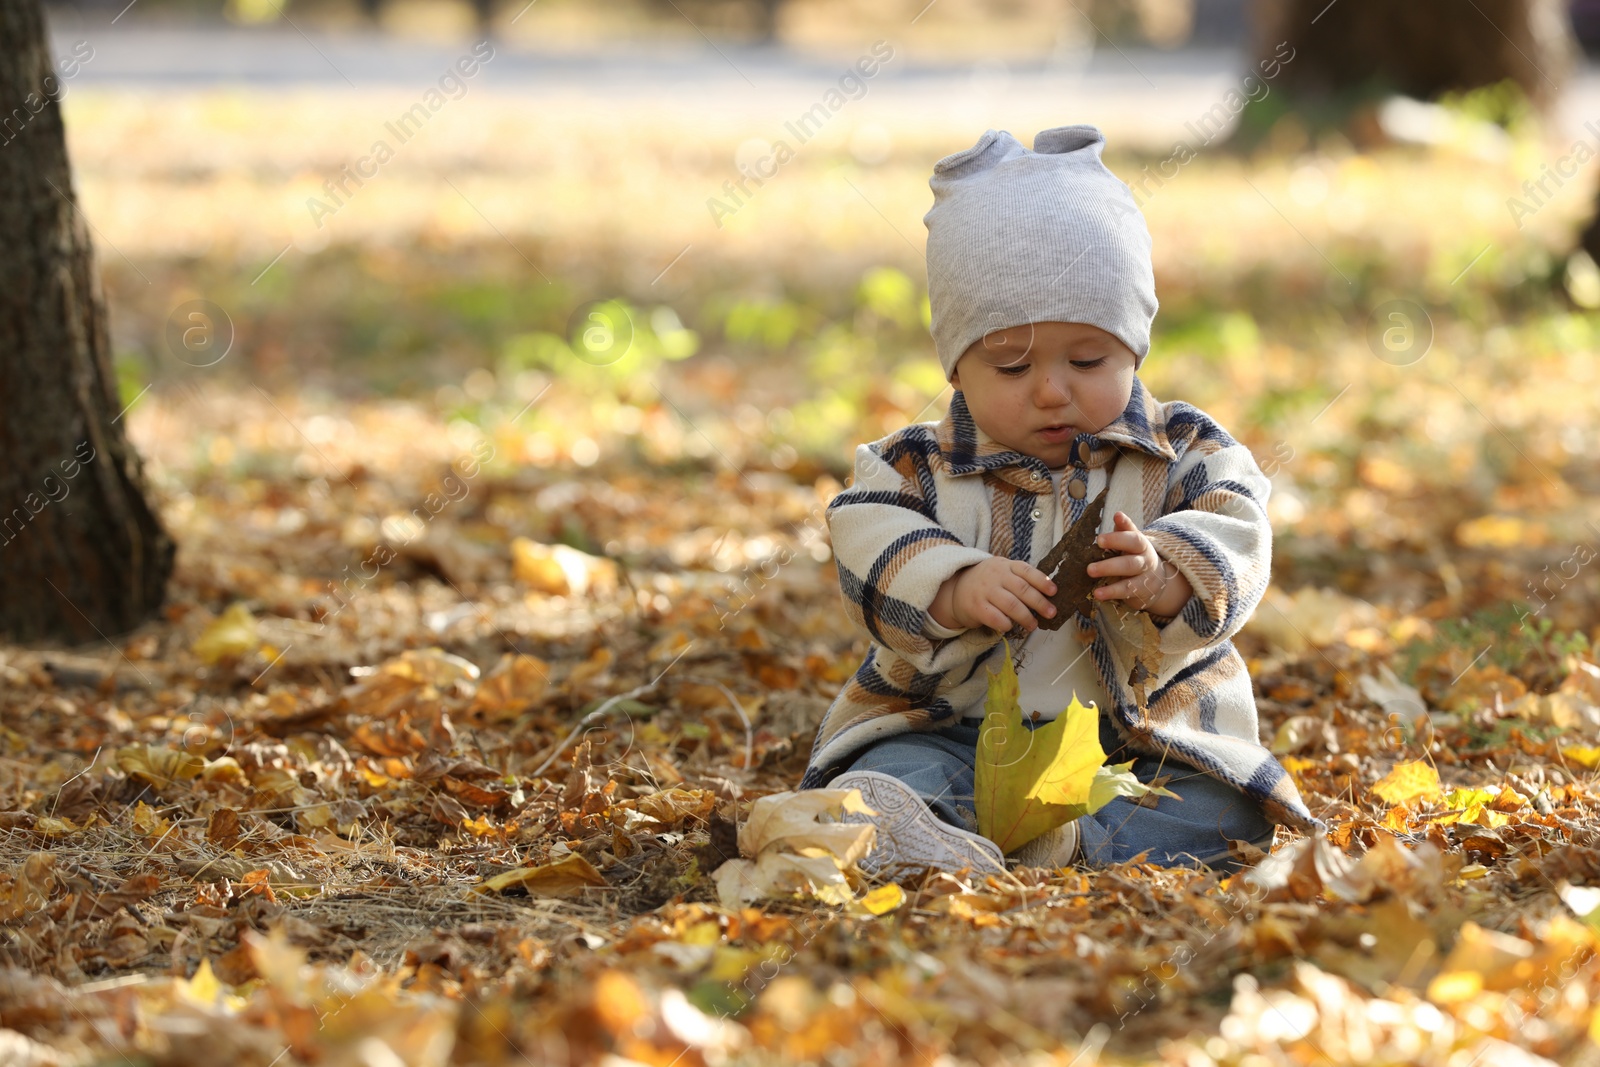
1421	48
82	553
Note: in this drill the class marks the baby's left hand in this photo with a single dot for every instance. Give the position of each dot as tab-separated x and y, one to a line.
1151	583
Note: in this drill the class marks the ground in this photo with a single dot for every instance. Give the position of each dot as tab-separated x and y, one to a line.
488	630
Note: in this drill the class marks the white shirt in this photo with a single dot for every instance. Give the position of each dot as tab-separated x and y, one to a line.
1055	666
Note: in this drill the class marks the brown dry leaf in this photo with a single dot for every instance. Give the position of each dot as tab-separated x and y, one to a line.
125	942
516	683
161	767
1308	618
432	766
793	821
133	890
795	850
222	829
395	739
30	888
17	1050
779	874
673	807
1067	564
1147	657
1301	732
416	680
560	570
1308	870
475	795
563	878
1416	872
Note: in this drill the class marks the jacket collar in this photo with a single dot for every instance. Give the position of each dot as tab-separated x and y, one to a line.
964	448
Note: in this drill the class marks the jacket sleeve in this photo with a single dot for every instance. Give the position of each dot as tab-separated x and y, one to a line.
1214	528
893	555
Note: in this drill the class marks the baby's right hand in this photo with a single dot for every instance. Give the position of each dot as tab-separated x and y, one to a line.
997	593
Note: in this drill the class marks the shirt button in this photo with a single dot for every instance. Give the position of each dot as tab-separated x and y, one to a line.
1076	490
1036	513
1083	451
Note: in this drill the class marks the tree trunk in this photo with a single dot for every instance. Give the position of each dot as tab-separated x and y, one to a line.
82	554
1421	48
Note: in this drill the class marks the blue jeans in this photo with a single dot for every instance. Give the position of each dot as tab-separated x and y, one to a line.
1192	832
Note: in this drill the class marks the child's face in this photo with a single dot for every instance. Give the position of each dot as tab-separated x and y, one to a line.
1033	388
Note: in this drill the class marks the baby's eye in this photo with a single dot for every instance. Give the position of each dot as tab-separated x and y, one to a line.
1014	370
1088	364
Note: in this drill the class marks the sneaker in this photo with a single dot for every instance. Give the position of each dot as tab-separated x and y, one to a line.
910	833
1053	848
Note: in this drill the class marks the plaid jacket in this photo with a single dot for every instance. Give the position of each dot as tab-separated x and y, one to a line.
927	496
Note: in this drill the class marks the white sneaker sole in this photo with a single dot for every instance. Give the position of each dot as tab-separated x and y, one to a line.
910	833
1052	849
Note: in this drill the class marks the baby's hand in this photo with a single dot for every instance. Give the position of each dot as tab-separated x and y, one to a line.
1151	584
997	593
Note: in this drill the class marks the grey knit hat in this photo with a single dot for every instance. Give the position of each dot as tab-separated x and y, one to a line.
1049	235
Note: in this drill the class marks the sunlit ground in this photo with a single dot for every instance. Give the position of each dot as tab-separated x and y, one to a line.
1433	500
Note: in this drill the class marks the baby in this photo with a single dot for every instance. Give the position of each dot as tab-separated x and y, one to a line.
1042	292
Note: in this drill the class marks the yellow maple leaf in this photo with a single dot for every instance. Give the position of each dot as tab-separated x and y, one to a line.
1470	806
1416	780
1030	781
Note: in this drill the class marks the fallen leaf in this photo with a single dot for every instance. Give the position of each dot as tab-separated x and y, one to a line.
1300	732
1414	780
789	821
1394	696
1585	756
561	570
673	807
231	635
883	900
563	878
1308	618
516	683
794	850
776	873
161	767
31	888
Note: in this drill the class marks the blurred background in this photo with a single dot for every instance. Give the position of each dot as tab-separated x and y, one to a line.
668	253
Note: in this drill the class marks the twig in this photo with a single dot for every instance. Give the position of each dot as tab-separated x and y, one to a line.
584	722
